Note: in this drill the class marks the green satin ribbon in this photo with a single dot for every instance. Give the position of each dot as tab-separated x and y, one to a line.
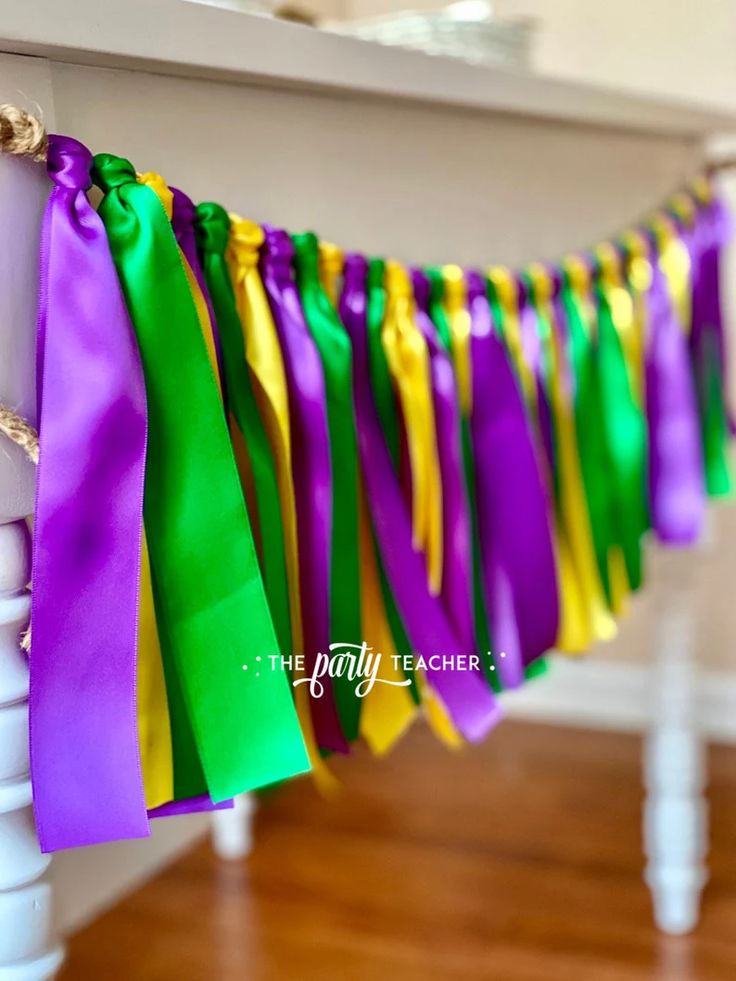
623	418
439	318
383	391
209	593
336	354
714	422
212	229
589	420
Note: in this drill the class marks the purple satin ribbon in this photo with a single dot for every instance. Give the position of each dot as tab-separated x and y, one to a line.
183	214
85	762
457	553
312	470
562	333
514	523
191	805
677	498
710	233
531	347
470	703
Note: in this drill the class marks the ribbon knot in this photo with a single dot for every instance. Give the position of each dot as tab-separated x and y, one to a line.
356	269
475	285
69	163
376	272
212	227
397	281
307	249
505	287
541	283
246	239
436	285
110	172
422	288
182	209
162	190
330	263
455	289
577	271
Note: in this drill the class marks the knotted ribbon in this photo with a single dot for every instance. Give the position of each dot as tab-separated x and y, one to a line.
451	318
677	497
85	762
580	318
711	233
408	360
183	215
268	378
312	470
622	414
212	232
208	589
457	590
513	509
333	345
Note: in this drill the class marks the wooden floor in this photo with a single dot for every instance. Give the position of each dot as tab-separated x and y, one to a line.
518	860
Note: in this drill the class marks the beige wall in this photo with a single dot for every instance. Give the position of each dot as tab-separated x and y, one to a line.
675	47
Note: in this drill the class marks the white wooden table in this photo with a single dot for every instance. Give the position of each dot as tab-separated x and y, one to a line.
382	150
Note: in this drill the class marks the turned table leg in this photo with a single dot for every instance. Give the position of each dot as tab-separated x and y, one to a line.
676	811
232	830
28	951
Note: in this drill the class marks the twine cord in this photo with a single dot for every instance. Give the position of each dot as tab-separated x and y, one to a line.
22	134
19	431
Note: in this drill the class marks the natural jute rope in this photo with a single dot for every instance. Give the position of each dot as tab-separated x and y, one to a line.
22	134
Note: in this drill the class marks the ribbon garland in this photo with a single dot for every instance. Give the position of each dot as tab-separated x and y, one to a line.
438	464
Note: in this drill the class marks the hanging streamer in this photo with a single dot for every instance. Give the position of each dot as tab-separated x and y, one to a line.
85	761
333	346
513	511
207	584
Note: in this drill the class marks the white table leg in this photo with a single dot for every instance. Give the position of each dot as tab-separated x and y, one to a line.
676	811
232	830
28	951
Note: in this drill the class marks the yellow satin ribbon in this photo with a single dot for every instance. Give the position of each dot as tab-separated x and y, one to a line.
458	318
627	308
702	190
581	282
331	261
388	710
408	361
584	614
154	726
266	365
436	714
507	292
674	261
